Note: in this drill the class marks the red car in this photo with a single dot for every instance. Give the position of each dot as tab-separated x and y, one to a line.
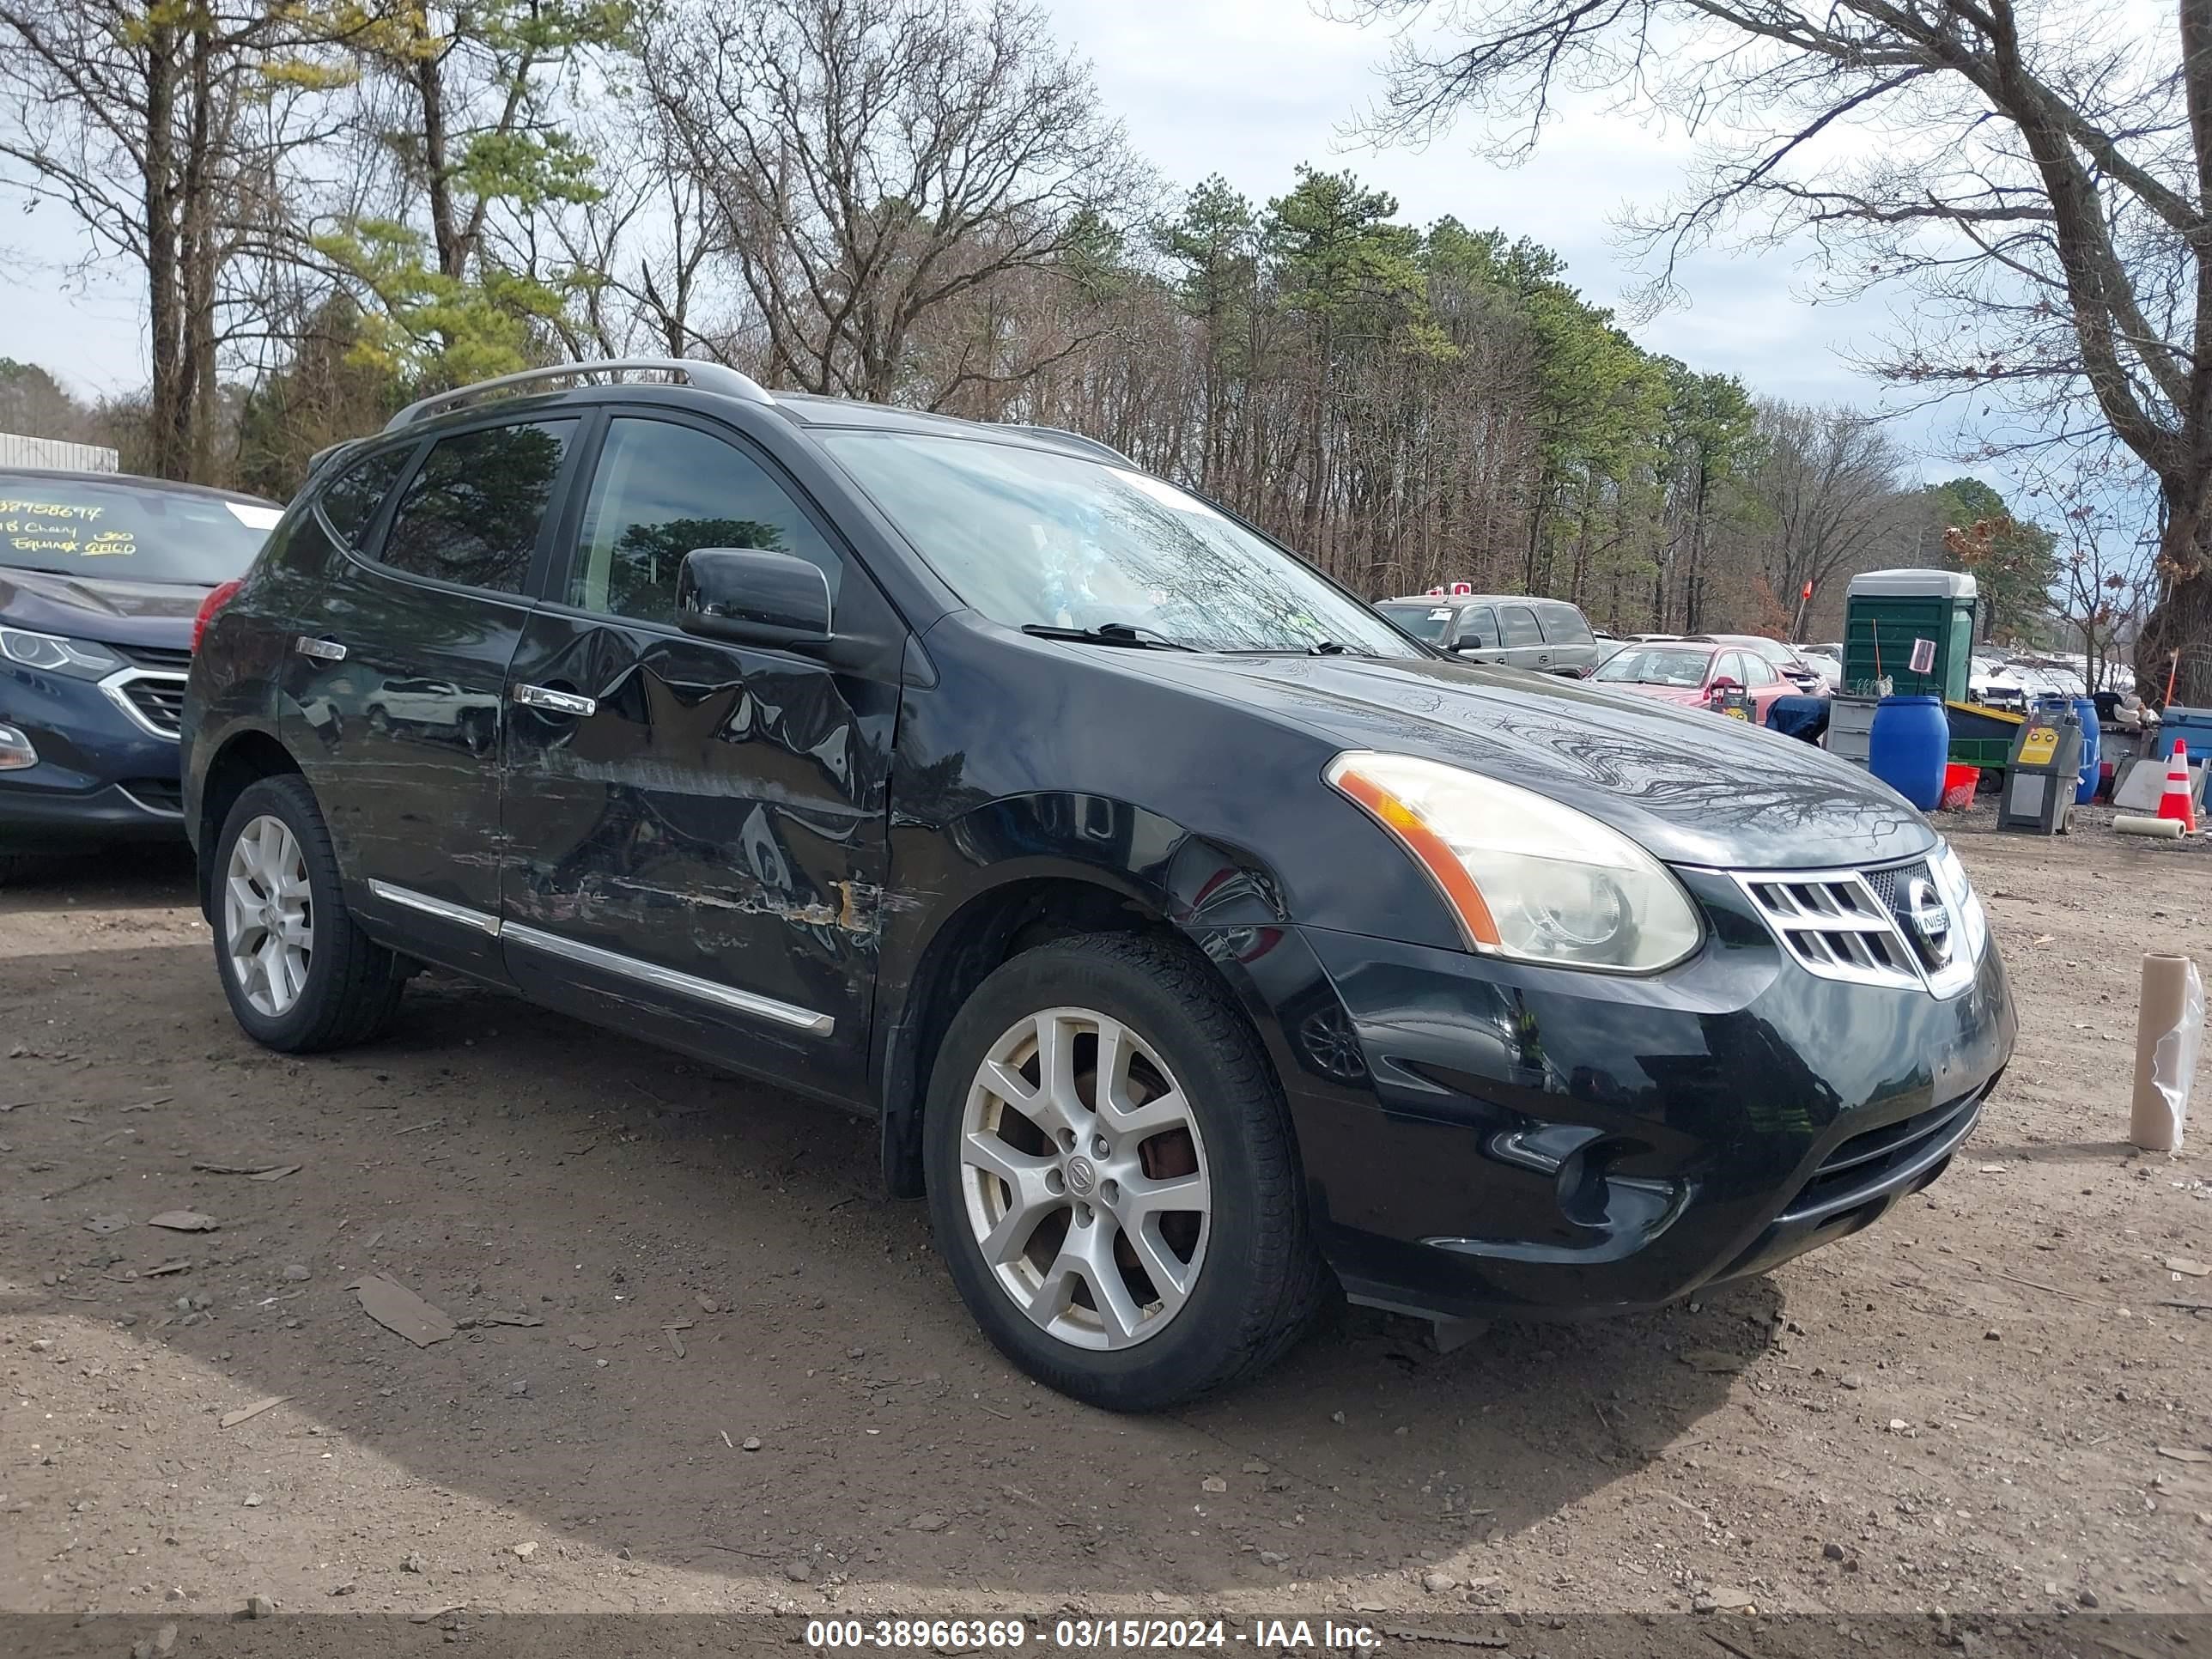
1690	671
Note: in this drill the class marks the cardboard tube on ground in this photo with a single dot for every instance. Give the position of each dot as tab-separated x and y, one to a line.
2169	1024
2165	828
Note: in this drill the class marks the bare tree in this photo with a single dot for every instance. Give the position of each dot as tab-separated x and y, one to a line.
871	163
2038	177
157	131
1831	478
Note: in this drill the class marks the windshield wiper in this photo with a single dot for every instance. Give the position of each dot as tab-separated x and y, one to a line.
1107	634
1327	648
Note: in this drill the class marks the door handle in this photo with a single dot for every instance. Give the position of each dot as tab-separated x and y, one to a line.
557	702
320	650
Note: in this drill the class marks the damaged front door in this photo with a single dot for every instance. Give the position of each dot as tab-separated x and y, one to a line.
696	831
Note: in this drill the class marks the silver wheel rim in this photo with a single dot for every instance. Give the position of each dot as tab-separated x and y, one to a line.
1084	1180
268	915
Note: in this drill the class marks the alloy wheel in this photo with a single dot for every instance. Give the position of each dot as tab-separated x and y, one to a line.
268	915
1083	1178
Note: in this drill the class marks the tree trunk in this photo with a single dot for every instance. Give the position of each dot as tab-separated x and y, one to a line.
437	175
169	441
198	212
2181	620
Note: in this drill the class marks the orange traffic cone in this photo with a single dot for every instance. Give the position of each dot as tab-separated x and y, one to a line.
2177	803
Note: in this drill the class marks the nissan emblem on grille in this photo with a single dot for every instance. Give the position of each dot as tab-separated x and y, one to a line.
1928	920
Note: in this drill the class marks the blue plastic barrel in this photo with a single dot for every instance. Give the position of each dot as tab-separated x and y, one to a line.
1907	748
2086	711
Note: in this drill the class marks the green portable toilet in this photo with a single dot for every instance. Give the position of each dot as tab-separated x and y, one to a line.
1887	612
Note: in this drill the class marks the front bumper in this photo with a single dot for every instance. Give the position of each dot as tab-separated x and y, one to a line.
104	773
1482	1137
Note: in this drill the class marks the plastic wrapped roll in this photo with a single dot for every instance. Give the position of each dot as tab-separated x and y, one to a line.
2169	1027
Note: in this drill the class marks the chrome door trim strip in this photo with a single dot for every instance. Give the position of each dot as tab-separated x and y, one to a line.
667	979
435	907
590	956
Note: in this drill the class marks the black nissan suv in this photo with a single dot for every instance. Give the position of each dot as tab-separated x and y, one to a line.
1199	940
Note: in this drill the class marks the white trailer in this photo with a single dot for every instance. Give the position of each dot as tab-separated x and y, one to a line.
54	453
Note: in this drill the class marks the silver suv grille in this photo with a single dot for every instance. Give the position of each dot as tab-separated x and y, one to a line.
1852	925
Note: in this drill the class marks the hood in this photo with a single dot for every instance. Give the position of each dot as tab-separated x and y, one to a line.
1689	785
98	608
1682	697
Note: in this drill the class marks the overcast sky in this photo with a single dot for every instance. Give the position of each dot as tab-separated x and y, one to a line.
1250	89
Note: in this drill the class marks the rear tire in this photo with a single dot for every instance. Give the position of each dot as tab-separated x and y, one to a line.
1135	1251
300	975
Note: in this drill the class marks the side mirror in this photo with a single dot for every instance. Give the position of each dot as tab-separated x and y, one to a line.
748	596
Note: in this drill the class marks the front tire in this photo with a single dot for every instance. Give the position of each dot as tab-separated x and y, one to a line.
1112	1177
300	975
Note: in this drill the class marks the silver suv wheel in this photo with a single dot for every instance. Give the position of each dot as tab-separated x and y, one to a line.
268	915
1083	1178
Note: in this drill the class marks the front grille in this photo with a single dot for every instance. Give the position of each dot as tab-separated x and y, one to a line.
1885	1160
1891	885
1837	924
158	698
175	659
161	794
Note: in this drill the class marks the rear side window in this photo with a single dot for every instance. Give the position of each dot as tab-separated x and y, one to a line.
1564	625
349	501
1518	623
471	514
662	490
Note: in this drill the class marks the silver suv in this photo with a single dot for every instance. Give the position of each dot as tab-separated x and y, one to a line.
1549	635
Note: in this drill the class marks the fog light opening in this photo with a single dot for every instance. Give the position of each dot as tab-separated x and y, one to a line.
1581	1186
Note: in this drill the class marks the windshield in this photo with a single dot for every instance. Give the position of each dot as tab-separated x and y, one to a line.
1643	664
1035	539
1425	623
89	527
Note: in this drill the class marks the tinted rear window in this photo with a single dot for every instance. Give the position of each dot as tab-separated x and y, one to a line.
94	527
349	501
1564	625
471	514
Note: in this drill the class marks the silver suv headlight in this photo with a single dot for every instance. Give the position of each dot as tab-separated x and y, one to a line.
1958	891
1525	877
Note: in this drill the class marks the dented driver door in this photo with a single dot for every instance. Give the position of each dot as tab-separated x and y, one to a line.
696	831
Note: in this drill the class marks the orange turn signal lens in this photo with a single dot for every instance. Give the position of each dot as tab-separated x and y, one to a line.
1429	851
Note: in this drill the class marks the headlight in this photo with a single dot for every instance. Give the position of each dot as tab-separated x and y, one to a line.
1951	880
75	658
1526	877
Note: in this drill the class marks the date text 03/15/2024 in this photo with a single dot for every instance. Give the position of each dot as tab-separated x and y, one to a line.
1082	1635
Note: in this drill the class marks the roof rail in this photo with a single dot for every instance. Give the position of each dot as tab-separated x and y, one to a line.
708	377
327	454
1103	450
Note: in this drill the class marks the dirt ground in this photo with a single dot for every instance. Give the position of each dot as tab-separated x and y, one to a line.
1985	1403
